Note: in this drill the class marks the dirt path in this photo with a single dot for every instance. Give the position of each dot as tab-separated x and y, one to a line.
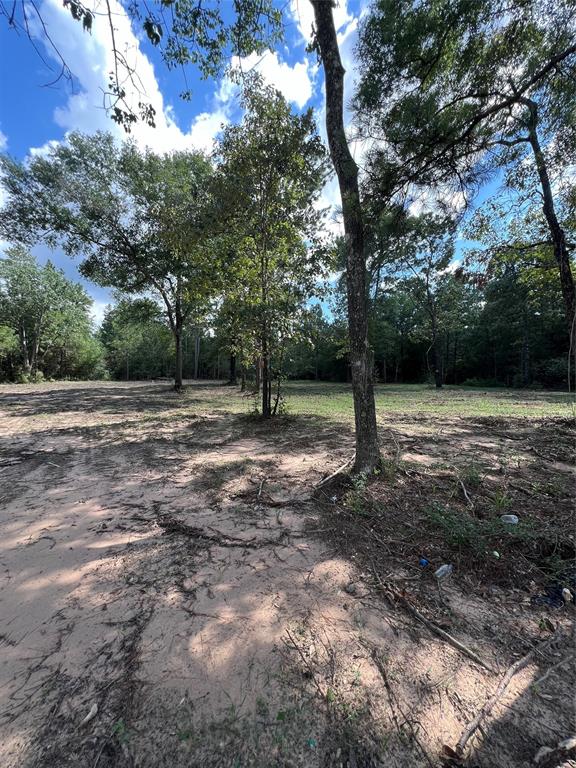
164	571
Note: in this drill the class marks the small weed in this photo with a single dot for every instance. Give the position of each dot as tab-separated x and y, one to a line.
356	499
120	731
470	475
330	696
502	501
389	469
262	709
478	538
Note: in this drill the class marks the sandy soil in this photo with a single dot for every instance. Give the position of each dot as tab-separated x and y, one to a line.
169	598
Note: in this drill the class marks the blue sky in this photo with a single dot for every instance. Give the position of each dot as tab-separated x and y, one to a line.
33	114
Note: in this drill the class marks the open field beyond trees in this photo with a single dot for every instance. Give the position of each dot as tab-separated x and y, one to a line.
178	591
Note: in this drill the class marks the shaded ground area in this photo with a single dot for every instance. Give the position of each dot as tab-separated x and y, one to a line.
175	592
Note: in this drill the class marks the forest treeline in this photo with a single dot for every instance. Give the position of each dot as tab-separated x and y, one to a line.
499	331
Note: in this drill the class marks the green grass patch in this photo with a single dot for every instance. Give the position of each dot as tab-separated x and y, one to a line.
335	401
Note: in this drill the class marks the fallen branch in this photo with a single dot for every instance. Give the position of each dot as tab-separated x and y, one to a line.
337	472
294	645
394	594
473	726
172	525
465	492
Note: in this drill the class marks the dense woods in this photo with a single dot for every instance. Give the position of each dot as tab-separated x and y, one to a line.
501	329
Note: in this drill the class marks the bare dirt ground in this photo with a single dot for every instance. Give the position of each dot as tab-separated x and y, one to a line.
174	592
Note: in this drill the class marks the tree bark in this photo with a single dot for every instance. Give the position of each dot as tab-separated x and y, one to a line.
178	371
437	362
233	376
196	353
258	370
266	382
556	232
24	349
367	448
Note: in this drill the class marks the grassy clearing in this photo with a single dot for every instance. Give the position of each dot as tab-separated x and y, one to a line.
335	401
111	402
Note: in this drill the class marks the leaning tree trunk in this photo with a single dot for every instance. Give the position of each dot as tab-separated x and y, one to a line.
367	449
557	234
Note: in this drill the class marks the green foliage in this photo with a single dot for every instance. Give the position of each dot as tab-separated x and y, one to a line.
207	35
142	222
45	328
448	83
137	340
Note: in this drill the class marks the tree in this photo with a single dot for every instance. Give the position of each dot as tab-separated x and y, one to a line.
272	166
138	219
23	302
49	315
367	447
137	340
459	90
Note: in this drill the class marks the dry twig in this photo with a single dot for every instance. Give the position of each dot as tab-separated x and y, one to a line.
337	472
394	594
381	667
473	726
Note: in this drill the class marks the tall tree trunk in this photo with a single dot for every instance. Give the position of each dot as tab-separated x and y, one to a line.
266	381
437	363
556	232
436	346
233	376
455	359
24	349
258	372
367	448
36	346
196	353
178	371
243	378
525	351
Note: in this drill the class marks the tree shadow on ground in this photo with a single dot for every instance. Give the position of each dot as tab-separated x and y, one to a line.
230	640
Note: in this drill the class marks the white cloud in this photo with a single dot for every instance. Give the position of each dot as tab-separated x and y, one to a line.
452	267
97	311
91	59
302	13
44	149
3	141
206	128
295	82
